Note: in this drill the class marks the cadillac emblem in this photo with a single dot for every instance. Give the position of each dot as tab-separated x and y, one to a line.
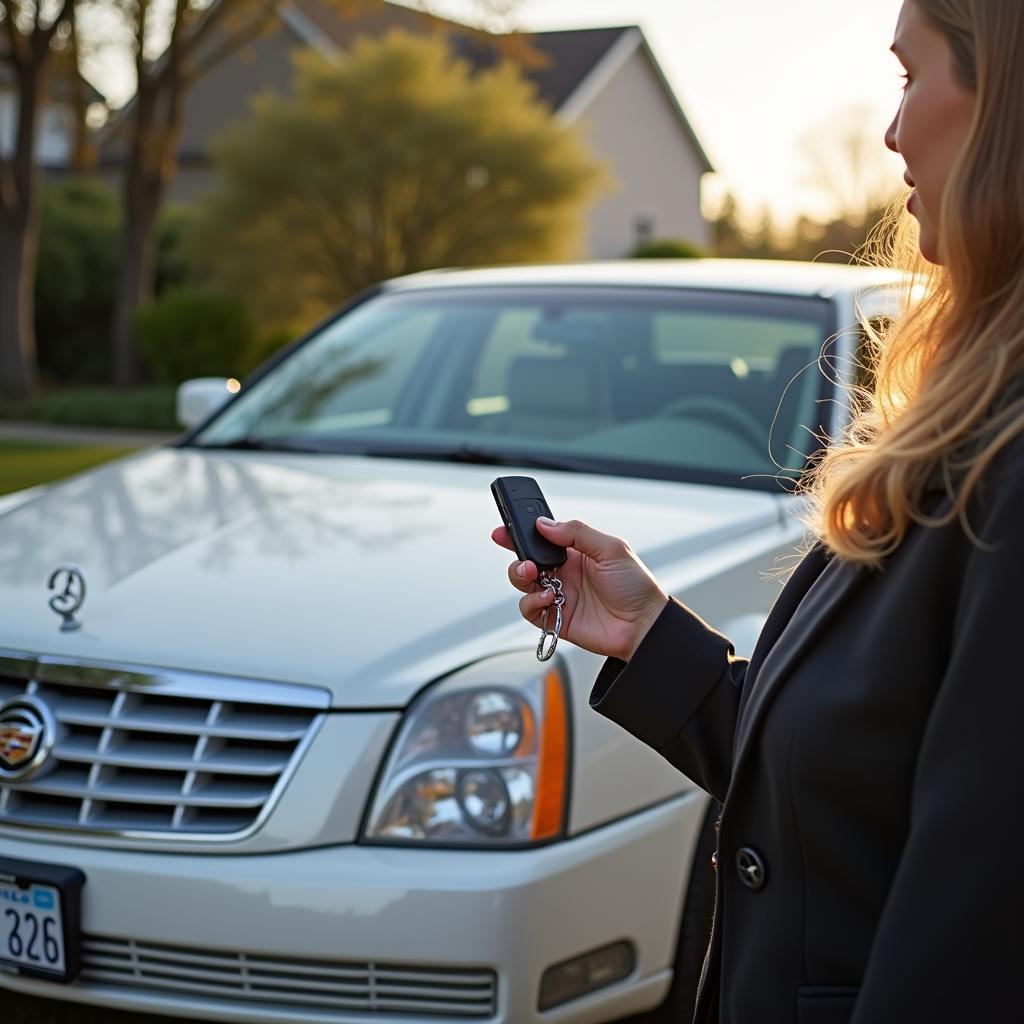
27	732
68	599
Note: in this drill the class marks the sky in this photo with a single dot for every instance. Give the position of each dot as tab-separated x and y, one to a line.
757	79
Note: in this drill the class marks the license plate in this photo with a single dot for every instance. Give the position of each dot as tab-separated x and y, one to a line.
39	919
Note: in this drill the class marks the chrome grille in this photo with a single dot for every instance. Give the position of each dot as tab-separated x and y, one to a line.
155	753
307	985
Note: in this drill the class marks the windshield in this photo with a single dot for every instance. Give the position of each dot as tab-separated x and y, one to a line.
667	383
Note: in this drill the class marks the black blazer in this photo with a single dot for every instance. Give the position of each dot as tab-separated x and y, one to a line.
870	862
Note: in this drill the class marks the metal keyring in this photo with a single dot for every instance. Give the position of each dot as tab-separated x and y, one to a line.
546	633
554	584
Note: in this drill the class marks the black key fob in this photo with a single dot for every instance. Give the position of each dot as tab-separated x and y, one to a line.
520	502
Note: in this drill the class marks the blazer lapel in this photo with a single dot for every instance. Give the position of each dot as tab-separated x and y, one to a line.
826	583
804	575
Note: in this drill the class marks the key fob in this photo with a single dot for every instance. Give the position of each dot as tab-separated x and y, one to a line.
520	502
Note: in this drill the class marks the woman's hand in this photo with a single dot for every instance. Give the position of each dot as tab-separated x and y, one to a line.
611	598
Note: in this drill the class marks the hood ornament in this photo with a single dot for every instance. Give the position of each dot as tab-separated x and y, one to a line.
68	601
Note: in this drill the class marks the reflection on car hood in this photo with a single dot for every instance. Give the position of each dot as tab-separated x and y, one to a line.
368	577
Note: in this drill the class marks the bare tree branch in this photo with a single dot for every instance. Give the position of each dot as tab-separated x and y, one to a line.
17	41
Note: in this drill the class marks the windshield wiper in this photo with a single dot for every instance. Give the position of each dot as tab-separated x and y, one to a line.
469	454
487	457
262	444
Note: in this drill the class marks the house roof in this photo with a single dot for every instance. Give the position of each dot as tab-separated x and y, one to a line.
568	57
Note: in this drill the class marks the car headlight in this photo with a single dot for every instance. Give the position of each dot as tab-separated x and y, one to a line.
482	758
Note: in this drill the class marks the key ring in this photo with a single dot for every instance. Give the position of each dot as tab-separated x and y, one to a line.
548	581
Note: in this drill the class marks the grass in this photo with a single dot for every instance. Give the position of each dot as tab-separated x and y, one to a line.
28	463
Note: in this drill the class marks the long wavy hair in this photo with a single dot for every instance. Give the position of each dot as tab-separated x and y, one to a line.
938	404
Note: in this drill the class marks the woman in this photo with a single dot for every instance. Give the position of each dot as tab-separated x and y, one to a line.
870	860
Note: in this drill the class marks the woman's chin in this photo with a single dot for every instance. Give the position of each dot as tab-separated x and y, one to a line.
927	242
929	249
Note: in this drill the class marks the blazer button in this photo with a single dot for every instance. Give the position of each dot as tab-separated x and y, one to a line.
751	868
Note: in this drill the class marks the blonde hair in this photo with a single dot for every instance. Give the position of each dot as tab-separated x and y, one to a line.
942	369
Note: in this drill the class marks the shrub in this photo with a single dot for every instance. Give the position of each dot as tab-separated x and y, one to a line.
192	332
76	280
172	266
667	249
145	408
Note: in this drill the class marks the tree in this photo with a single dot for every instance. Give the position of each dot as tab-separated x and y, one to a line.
847	165
734	239
397	159
199	35
33	31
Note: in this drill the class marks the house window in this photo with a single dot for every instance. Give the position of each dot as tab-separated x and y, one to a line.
643	229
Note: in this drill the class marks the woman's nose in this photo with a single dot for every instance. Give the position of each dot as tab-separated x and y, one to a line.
890	134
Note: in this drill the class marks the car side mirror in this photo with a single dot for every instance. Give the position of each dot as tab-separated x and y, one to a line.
201	397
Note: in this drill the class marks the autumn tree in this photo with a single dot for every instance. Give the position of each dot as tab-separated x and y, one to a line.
398	158
175	43
32	33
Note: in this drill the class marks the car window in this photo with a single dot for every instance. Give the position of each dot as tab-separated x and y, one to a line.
746	342
669	383
349	380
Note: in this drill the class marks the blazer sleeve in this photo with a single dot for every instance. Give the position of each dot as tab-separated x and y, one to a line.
679	694
948	944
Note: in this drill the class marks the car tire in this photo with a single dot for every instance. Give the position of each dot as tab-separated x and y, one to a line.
694	933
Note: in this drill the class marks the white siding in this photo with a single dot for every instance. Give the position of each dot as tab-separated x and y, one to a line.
8	112
631	125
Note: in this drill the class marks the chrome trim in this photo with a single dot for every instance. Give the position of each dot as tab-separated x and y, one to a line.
166	682
170	764
179	838
177	682
171	728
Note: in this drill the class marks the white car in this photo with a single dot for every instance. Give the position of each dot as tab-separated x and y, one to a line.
275	744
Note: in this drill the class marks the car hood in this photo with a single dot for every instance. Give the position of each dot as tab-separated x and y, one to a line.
369	577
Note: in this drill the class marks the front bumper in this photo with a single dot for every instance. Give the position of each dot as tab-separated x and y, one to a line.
513	913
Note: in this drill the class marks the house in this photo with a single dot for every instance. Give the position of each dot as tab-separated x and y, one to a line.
605	80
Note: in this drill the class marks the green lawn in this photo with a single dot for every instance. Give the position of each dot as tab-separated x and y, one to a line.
27	463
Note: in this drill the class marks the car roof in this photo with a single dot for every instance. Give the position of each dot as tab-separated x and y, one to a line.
778	276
